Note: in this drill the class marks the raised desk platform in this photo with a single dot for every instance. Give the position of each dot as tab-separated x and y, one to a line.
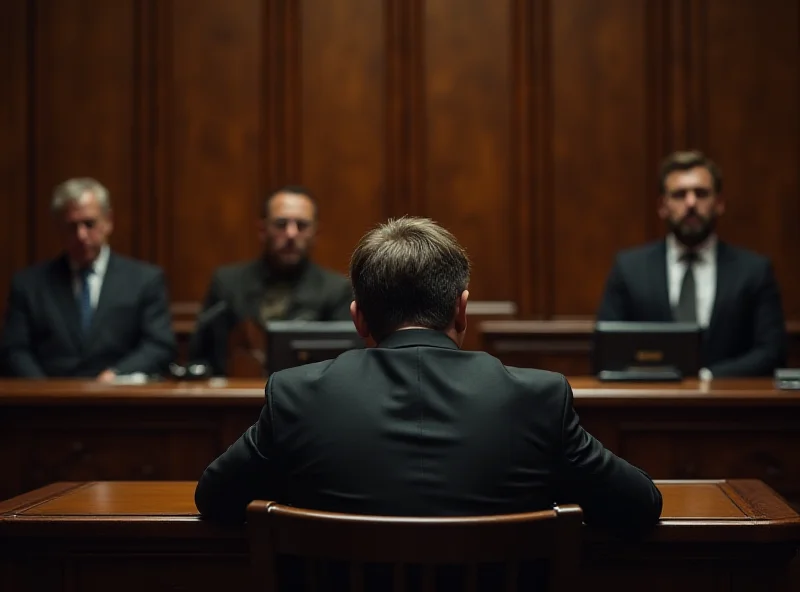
565	345
714	536
75	431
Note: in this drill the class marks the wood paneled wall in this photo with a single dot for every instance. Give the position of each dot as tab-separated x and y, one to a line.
530	128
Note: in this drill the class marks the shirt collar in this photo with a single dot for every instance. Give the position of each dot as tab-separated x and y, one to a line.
99	265
706	251
417	338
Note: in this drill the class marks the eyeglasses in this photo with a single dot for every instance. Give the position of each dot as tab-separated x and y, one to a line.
699	192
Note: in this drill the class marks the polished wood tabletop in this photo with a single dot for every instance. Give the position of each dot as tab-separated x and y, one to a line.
736	392
724	535
746	506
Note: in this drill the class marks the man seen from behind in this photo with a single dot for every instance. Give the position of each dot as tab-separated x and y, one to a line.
413	425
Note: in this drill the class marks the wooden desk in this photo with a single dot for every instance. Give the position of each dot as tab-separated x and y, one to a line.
75	431
714	536
692	430
565	346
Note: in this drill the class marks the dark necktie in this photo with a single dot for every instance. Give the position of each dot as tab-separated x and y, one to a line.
686	311
85	299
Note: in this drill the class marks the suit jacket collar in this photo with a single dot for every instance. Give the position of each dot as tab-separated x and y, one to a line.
98	266
66	302
417	338
657	279
726	275
704	251
113	282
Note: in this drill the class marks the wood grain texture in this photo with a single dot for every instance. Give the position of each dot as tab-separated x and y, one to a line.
533	130
146	536
16	31
74	431
601	198
83	74
342	137
759	501
691	502
209	122
751	62
468	103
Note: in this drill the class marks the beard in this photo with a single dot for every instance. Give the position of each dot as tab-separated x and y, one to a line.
692	235
286	266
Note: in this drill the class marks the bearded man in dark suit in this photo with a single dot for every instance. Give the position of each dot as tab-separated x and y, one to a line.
283	283
693	277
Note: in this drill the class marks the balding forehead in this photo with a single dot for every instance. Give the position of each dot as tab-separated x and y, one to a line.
290	204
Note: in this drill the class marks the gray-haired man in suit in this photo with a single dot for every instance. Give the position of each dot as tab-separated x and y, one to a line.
89	312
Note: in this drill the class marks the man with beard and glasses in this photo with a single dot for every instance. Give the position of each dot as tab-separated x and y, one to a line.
282	284
694	277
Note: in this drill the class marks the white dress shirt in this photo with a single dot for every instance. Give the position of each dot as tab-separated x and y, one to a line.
99	267
705	280
705	275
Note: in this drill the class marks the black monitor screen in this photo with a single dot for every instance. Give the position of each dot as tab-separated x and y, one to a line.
627	346
294	343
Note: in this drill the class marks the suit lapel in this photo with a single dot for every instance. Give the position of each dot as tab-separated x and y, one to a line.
64	296
726	274
657	272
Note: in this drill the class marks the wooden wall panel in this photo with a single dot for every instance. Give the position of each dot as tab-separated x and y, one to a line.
210	113
466	119
532	129
342	140
83	101
751	77
15	146
601	198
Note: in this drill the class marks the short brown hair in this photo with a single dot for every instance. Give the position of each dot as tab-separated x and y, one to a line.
408	271
684	160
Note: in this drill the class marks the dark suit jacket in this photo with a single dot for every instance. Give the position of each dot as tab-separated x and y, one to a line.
747	332
418	427
131	328
318	295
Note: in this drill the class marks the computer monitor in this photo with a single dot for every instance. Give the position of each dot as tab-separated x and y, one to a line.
294	343
646	351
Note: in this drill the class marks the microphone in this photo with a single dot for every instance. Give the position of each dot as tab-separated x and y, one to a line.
197	370
207	316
